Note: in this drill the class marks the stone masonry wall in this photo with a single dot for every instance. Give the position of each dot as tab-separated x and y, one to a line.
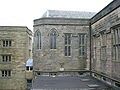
46	59
104	25
20	53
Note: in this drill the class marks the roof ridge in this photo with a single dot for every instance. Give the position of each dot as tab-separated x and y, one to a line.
68	14
71	11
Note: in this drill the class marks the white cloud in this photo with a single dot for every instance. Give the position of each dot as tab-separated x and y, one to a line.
23	12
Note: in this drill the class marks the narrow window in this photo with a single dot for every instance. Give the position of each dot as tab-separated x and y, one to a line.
67	44
103	52
53	39
116	44
37	40
103	39
82	44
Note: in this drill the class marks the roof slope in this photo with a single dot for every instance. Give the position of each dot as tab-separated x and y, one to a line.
67	14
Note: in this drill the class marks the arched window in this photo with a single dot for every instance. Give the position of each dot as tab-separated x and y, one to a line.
38	40
53	39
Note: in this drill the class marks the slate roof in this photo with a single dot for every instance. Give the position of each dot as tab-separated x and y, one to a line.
68	14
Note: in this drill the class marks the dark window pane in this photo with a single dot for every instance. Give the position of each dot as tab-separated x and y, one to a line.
31	68
65	50
80	51
9	73
7	44
53	40
51	43
38	40
3	58
3	43
9	58
83	51
83	39
65	39
29	80
69	50
6	58
27	67
5	73
2	73
79	39
69	39
10	43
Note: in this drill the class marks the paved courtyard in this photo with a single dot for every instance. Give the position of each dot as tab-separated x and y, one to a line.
68	83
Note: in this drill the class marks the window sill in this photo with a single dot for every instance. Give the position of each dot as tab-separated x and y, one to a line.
7	47
29	70
103	59
115	61
103	46
117	44
53	49
68	56
83	57
5	62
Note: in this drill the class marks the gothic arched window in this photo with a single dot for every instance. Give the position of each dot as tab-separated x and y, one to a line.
53	39
38	40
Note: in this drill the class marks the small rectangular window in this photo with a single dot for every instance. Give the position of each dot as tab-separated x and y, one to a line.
7	43
6	73
6	58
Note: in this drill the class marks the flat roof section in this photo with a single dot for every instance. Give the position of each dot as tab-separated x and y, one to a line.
68	83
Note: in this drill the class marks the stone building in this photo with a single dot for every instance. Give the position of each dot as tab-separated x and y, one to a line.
15	50
61	41
105	30
64	42
75	41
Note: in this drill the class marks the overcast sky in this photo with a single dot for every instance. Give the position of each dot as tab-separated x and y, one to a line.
23	12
